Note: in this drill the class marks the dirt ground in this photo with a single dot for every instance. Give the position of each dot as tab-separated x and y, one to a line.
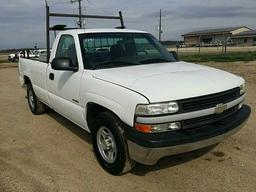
49	153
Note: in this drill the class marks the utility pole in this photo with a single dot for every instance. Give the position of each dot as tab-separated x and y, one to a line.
80	12
225	49
160	26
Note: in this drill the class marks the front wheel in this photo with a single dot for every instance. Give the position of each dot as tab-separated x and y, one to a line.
36	106
110	146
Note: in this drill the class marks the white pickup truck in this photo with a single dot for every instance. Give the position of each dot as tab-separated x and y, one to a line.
138	102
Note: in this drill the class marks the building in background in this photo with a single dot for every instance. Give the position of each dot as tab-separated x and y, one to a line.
213	37
247	38
172	44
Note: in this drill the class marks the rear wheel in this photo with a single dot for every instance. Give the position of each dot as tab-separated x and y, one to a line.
36	106
110	146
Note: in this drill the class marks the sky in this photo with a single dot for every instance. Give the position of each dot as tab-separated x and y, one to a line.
22	22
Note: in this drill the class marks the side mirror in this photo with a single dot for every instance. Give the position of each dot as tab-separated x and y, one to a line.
63	64
175	55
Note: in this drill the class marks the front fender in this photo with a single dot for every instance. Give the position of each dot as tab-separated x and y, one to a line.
105	102
117	99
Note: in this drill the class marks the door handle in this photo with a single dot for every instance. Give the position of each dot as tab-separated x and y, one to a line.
51	76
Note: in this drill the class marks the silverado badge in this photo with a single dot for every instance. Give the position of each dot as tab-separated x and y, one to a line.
220	108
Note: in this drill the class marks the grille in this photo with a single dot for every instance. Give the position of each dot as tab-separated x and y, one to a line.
209	119
209	101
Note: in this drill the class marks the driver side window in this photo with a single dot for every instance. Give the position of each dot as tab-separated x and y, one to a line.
66	48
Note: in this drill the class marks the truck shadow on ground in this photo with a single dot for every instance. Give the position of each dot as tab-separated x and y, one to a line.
139	169
171	161
75	129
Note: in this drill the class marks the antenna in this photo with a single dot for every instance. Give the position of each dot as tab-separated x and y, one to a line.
160	26
80	12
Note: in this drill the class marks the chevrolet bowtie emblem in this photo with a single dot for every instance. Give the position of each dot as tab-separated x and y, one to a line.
220	108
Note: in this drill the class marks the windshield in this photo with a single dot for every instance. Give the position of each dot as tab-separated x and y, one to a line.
108	50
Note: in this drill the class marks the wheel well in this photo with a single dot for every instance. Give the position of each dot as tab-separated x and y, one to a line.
93	110
26	80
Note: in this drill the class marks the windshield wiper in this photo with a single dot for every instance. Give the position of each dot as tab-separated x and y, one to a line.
154	60
114	64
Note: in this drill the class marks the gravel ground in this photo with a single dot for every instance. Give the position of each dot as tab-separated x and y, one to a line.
49	153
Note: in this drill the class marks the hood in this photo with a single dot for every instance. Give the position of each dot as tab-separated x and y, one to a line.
170	81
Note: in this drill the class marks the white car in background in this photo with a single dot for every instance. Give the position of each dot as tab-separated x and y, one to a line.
11	56
15	56
40	52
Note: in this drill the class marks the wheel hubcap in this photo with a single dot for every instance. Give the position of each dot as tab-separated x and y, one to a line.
106	144
31	99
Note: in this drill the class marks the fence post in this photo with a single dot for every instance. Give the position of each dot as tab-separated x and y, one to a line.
199	45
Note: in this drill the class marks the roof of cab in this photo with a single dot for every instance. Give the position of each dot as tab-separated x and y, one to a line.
82	31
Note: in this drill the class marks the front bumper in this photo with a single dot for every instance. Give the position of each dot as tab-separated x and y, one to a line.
149	148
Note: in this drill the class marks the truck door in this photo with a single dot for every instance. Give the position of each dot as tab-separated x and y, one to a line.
64	86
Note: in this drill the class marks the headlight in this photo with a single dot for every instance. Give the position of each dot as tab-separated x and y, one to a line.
157	109
242	89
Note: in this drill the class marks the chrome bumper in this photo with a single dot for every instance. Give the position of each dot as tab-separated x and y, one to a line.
150	156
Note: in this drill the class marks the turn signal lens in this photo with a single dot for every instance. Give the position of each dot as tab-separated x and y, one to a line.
157	128
142	128
242	89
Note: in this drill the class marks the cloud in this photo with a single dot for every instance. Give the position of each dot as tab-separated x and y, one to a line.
217	12
201	12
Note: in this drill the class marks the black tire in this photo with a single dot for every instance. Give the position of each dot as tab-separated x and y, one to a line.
16	59
122	163
36	106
